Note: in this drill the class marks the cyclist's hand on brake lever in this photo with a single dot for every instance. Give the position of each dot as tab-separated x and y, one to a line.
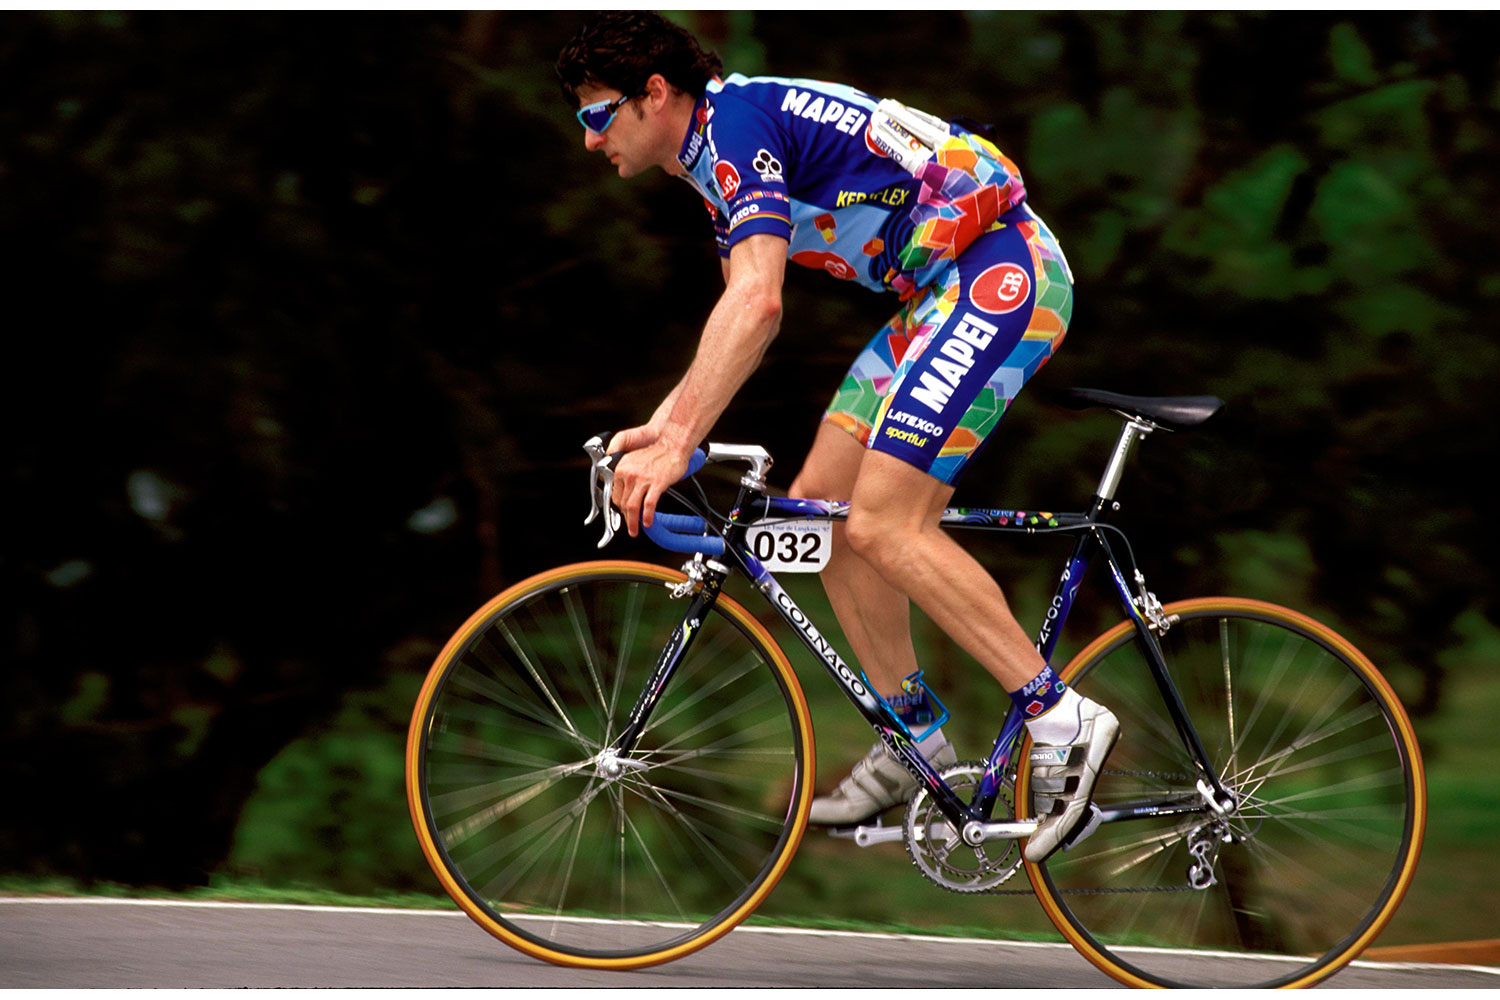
635	437
643	475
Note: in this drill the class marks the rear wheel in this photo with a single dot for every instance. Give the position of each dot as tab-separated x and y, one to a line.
567	852
1311	862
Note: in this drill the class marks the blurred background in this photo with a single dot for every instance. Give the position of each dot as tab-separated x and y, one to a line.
310	313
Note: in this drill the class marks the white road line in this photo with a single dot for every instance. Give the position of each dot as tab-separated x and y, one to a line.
795	931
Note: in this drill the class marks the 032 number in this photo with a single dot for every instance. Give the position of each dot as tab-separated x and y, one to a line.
793	547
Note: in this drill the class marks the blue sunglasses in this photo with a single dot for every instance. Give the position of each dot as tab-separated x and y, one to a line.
596	117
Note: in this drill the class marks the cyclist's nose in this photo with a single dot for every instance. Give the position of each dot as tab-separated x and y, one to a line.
592	140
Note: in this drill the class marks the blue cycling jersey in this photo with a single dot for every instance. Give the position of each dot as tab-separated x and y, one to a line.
794	158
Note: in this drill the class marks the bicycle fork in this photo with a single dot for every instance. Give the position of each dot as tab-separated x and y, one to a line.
705	580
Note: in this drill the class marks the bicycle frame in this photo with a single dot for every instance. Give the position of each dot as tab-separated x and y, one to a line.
754	507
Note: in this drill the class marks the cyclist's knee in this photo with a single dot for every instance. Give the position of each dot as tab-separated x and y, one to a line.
893	506
873	536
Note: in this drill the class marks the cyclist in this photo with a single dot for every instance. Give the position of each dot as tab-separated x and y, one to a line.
895	200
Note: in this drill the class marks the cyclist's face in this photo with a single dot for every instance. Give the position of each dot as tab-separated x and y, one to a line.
625	141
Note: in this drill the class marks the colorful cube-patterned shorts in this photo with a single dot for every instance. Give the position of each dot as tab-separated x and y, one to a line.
934	382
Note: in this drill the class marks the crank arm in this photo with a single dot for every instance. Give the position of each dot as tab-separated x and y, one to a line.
869	836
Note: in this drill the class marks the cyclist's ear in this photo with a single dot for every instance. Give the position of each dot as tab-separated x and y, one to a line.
657	91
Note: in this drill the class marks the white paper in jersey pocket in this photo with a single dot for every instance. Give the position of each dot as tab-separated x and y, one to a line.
792	546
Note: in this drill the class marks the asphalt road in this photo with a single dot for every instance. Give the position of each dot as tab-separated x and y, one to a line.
133	943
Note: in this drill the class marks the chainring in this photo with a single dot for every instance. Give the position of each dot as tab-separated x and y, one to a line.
939	851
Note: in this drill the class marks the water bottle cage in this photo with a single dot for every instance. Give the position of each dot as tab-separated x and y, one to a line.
912	686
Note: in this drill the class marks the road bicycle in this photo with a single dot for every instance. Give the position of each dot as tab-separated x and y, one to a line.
610	764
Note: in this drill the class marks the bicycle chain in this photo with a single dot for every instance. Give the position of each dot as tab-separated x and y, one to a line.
1158	775
999	890
1079	892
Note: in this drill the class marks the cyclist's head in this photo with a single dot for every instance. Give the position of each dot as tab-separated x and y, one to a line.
622	49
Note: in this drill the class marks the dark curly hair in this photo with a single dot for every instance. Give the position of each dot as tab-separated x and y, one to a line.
621	49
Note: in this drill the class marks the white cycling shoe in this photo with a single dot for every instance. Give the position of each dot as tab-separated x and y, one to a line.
1065	772
877	783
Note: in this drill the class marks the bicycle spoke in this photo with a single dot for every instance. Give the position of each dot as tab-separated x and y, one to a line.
728	712
661	878
526	846
630	617
565	878
542	686
720	808
701	693
707	847
1228	668
585	647
538	718
511	793
1139	850
1255	777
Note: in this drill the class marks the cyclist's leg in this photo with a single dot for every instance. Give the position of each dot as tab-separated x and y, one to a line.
988	324
875	617
943	372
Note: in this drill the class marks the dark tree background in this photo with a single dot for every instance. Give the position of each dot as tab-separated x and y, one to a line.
309	313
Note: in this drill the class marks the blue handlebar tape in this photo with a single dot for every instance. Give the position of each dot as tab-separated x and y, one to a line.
685	532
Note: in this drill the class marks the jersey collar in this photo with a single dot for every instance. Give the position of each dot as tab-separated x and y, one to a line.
696	139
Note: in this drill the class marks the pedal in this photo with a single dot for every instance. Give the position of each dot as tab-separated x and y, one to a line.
1085	829
868	835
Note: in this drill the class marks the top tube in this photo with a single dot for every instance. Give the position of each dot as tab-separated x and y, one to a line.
793	508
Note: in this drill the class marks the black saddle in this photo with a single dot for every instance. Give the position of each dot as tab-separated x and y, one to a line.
1176	413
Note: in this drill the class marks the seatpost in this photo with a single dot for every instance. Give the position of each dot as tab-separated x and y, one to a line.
1134	430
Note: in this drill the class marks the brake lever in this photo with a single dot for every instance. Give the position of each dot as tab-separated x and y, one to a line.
594	447
601	485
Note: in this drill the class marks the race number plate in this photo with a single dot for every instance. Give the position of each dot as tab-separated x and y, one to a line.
792	546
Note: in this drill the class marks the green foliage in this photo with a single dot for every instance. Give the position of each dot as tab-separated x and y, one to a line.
330	808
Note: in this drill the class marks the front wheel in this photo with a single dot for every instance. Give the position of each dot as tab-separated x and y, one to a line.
1312	860
567	851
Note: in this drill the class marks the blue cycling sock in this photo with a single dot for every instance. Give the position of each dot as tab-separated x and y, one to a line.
1040	694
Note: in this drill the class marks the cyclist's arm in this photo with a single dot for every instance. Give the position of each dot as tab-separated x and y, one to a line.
740	328
637	437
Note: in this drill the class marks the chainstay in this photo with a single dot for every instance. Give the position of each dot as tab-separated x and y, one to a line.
999	890
1073	892
1134	890
1159	775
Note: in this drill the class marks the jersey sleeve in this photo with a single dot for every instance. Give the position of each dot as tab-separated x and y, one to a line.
721	227
749	152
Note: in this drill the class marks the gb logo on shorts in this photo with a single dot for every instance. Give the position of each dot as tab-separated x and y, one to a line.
1001	289
767	166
